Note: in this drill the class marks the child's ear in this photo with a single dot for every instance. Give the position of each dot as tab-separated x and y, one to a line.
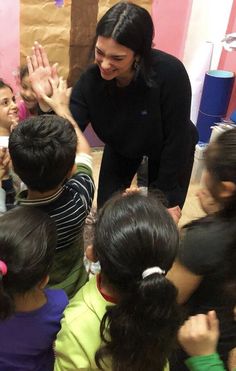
42	284
89	253
227	189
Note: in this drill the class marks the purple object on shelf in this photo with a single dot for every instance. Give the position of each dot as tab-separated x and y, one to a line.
216	94
59	3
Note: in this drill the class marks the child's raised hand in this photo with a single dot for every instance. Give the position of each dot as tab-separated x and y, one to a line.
59	101
176	213
199	334
40	71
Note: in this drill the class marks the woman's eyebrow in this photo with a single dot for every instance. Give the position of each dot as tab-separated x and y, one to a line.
112	55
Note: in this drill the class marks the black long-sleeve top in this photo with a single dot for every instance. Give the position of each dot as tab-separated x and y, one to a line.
139	119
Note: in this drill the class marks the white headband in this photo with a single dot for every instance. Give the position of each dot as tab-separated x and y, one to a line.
147	272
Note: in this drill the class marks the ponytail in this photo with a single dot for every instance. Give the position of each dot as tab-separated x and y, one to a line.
7	306
142	327
136	241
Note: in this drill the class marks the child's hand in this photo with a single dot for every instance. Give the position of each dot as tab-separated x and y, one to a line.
176	213
207	202
40	71
59	101
199	334
130	190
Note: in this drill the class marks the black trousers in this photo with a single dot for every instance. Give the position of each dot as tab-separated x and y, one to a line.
117	172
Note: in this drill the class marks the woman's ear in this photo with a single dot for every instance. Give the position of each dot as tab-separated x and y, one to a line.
90	255
227	189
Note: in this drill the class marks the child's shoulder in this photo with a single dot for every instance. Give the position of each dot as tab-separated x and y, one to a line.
56	298
86	308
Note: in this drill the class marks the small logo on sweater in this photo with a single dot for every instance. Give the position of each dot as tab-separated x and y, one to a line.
144	112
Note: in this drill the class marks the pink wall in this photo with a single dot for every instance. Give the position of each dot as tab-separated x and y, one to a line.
171	19
9	40
228	59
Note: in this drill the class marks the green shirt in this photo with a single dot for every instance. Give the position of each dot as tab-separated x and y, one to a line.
79	337
210	362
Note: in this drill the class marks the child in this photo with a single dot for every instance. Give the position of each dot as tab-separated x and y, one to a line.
28	106
205	268
29	314
8	119
8	109
127	317
43	150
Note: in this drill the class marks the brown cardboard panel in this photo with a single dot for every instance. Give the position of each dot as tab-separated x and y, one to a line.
104	5
82	33
42	21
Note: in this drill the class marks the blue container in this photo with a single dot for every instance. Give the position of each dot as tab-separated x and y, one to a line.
216	94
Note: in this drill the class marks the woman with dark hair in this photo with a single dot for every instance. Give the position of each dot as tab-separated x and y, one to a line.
126	318
138	102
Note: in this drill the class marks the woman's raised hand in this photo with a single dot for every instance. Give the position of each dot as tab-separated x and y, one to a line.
40	71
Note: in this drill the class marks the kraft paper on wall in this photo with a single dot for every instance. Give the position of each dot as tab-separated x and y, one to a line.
42	21
104	5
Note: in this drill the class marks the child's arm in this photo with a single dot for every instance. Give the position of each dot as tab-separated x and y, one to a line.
70	354
4	174
198	337
59	103
207	202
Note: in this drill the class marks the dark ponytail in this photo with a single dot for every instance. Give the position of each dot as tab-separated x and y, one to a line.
134	233
27	246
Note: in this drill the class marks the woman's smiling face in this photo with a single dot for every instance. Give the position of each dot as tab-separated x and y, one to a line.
114	60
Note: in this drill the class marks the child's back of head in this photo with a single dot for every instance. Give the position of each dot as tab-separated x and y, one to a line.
30	315
136	242
27	246
221	171
43	151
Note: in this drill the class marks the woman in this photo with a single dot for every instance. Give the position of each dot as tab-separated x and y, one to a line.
138	102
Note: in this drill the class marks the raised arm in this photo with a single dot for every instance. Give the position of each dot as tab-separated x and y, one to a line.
59	103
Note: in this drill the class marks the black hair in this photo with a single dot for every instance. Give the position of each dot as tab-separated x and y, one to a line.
23	71
42	149
220	160
130	25
27	246
3	85
133	233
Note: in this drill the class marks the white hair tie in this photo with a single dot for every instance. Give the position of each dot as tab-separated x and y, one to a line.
147	272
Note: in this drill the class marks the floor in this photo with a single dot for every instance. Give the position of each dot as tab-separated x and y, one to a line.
191	209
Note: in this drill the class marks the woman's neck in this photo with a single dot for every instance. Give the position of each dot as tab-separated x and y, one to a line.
4	132
125	80
30	301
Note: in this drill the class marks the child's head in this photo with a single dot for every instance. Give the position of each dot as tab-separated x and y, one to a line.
220	176
42	150
134	234
8	107
27	245
26	91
